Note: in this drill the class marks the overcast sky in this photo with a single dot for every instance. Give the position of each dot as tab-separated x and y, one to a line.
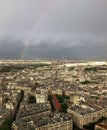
53	23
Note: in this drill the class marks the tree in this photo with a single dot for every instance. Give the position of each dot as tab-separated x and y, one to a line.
7	124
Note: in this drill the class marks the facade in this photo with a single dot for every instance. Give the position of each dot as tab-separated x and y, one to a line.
74	99
9	105
41	98
82	119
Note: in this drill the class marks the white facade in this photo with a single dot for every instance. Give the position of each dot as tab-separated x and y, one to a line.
41	98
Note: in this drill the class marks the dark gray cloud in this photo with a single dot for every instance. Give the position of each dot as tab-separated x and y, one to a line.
13	49
59	28
10	49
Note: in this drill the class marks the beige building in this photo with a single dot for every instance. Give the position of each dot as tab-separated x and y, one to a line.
44	122
66	125
82	119
57	91
41	98
75	99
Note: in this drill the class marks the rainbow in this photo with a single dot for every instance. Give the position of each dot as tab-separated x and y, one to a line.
38	23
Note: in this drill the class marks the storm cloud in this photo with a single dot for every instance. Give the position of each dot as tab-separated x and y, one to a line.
59	28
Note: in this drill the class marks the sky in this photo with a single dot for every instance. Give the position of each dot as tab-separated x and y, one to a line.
53	29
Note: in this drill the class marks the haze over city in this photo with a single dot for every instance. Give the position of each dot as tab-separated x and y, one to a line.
53	29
